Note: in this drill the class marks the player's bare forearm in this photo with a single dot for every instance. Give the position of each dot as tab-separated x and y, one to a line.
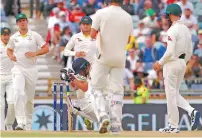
81	85
93	33
43	50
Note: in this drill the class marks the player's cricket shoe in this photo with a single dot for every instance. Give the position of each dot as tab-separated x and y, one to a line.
195	116
89	124
169	130
19	127
9	127
115	130
104	125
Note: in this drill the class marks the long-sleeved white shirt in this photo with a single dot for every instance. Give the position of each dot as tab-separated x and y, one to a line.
78	43
178	42
6	64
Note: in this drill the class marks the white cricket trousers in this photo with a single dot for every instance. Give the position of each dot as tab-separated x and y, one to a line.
24	83
6	85
107	79
173	73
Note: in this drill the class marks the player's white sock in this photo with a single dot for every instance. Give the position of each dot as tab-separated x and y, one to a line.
10	118
2	119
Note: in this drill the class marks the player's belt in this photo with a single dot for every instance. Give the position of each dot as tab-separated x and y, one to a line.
182	56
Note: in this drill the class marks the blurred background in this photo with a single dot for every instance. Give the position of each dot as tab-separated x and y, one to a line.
58	20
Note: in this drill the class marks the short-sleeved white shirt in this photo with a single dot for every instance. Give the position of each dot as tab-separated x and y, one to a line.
31	42
115	26
189	21
79	42
6	64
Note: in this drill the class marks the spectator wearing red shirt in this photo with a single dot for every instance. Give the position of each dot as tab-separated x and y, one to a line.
77	14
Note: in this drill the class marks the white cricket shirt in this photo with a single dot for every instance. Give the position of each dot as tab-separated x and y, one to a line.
115	26
6	64
79	42
178	42
31	42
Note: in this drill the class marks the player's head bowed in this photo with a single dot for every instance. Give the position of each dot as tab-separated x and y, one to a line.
81	66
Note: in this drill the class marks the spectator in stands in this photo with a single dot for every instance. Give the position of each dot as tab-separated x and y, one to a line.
185	3
158	82
154	5
132	58
55	41
63	20
141	32
77	14
49	7
91	7
40	8
199	39
72	4
141	96
189	19
139	72
198	9
128	7
198	51
54	19
193	67
162	7
3	15
151	19
147	54
8	7
66	35
142	11
128	79
155	33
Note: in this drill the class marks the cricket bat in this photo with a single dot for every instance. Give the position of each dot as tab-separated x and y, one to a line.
70	114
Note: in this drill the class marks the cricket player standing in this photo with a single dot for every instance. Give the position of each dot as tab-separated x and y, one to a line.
6	82
23	48
178	53
114	27
81	43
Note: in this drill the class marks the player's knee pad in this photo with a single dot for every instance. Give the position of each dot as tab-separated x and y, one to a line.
100	104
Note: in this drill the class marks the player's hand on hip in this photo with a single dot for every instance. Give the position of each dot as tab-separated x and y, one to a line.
80	54
156	66
30	54
13	58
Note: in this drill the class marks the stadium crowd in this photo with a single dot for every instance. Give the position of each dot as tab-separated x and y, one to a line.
148	43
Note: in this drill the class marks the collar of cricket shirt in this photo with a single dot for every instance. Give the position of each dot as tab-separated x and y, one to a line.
86	36
27	34
178	21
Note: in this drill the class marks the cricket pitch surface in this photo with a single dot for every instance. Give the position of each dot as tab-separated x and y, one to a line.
90	134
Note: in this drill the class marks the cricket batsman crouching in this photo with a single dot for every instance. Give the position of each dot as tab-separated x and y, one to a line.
78	77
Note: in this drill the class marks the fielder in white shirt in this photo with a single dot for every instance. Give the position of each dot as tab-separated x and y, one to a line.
23	48
114	27
81	44
6	82
178	53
